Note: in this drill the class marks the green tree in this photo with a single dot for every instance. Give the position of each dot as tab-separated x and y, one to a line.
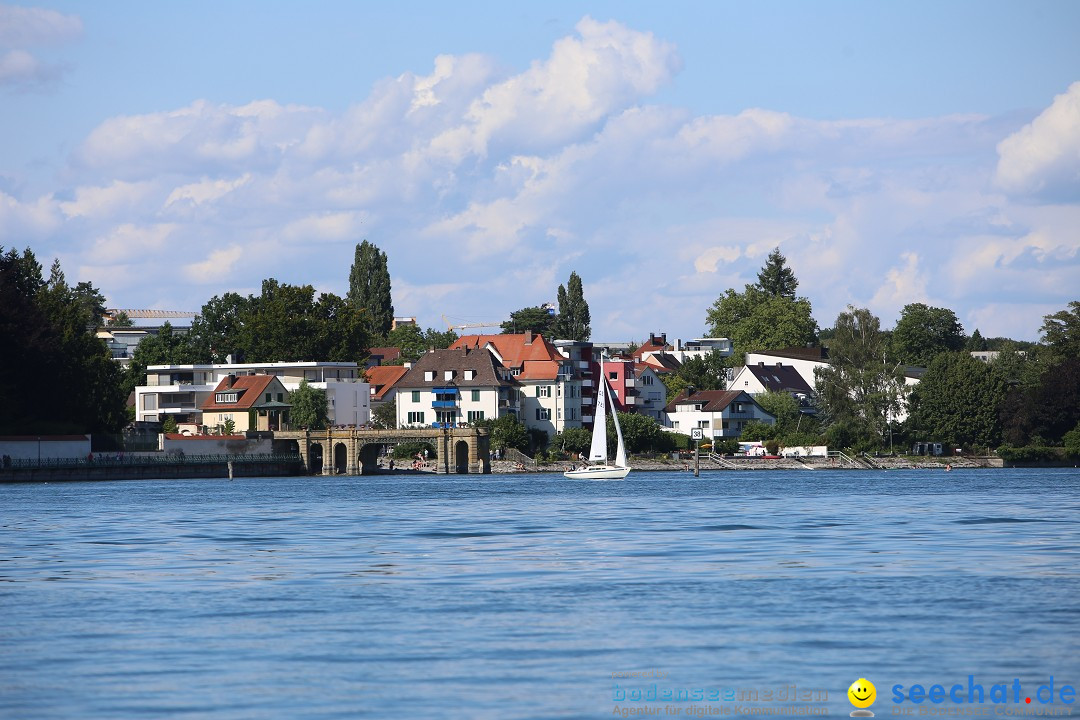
309	407
957	401
369	288
641	433
165	348
507	431
757	431
922	332
49	331
537	319
1061	331
413	342
228	427
1071	441
756	320
776	278
575	440
169	425
572	322
120	320
784	408
860	391
975	343
384	416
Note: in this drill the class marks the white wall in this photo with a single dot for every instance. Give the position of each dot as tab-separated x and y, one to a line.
64	447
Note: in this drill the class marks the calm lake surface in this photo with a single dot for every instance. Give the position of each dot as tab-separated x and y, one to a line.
524	597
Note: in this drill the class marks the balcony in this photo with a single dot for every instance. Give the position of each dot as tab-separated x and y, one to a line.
586	382
631	382
586	418
586	401
630	400
444	403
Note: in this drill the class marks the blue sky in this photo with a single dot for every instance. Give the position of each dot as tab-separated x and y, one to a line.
895	152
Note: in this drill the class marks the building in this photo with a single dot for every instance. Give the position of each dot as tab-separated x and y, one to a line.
636	387
447	388
582	357
651	392
719	413
551	385
182	390
762	378
803	360
251	402
383	380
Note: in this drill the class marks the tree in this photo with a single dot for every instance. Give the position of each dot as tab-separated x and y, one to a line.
756	320
705	372
957	401
975	343
169	425
575	440
537	319
1061	331
164	348
775	278
572	322
756	431
860	391
120	320
49	331
309	407
413	343
641	433
228	427
384	416
784	408
506	432
369	288
922	332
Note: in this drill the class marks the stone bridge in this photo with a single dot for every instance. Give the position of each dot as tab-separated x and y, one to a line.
353	451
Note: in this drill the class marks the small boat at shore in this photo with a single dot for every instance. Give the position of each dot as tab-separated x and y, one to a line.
598	448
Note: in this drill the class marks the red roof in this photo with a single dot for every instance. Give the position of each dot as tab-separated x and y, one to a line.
536	357
382	378
387	354
249	389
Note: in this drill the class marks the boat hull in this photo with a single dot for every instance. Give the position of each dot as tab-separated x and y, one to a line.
598	472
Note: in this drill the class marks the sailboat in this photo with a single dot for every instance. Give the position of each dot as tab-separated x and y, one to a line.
598	449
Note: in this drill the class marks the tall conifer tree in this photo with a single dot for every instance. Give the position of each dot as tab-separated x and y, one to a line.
369	288
573	322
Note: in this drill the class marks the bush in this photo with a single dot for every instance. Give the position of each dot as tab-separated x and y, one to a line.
729	446
1072	442
772	446
1029	453
409	450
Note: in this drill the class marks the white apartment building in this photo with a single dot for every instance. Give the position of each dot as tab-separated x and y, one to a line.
182	390
447	388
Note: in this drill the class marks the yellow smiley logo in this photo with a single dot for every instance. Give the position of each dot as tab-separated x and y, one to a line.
862	693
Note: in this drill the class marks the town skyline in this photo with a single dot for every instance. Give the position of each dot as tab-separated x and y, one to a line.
900	157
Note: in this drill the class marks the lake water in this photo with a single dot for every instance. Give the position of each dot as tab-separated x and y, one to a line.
533	596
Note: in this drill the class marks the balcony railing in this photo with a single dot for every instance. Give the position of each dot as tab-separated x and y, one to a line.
444	403
631	382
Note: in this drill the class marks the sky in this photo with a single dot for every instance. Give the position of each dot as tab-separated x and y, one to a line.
895	152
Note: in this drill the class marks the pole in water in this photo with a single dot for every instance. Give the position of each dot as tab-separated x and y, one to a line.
230	470
697	469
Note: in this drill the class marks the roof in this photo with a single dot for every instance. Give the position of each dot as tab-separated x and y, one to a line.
815	354
385	354
249	388
712	400
536	358
653	344
488	372
382	378
662	362
779	378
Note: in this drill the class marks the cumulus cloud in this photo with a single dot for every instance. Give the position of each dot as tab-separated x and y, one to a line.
22	28
486	188
1043	157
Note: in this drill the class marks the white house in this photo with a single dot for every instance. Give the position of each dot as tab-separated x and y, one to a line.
182	390
720	413
447	388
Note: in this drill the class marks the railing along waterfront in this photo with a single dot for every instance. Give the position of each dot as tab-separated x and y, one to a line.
168	459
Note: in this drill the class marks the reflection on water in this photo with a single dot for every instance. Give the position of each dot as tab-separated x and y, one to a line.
518	597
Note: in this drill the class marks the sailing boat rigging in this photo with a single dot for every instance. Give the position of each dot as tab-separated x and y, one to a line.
598	449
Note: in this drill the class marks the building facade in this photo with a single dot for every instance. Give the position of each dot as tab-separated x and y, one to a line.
453	387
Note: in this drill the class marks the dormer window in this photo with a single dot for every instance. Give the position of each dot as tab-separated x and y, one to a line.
429	375
225	397
470	374
448	375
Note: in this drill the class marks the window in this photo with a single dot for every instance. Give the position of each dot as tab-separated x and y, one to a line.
543	391
269	397
448	375
416	417
219	397
571	413
475	415
614	374
281	397
646	379
476	398
543	414
429	375
416	396
470	374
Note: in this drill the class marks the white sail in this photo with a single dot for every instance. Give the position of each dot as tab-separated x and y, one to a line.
620	451
598	449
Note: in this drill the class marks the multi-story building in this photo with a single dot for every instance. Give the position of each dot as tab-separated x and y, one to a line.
251	402
182	390
551	386
583	365
447	388
636	388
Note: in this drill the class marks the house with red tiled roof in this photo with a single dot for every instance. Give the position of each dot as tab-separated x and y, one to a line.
382	379
551	384
252	402
719	413
382	355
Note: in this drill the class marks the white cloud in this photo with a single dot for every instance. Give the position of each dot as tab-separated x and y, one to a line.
130	242
324	227
1043	157
105	202
22	27
215	268
205	191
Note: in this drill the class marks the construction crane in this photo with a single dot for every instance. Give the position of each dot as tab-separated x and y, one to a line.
151	314
451	326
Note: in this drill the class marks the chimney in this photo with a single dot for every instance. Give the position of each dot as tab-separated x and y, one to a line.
230	380
663	339
528	337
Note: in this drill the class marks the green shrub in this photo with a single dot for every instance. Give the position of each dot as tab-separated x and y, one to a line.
1029	453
